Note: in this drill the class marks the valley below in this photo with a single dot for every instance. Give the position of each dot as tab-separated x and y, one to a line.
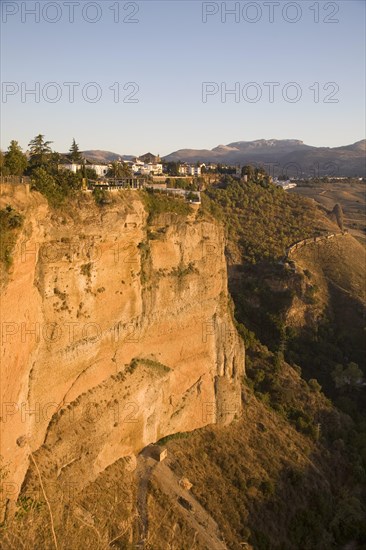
350	195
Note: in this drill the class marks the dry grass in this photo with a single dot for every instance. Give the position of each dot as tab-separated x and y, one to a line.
258	478
99	517
350	195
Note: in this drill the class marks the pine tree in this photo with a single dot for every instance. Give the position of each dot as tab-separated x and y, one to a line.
15	161
40	151
74	153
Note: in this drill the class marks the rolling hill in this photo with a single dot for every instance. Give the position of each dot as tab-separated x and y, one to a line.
97	155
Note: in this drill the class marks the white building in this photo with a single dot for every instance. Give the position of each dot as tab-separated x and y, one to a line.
189	170
70	167
146	169
183	170
100	169
155	169
285	184
194	170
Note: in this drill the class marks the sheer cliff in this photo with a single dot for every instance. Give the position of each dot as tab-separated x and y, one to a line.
116	331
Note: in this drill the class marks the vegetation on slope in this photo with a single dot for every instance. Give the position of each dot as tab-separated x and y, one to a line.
10	223
100	516
269	486
57	187
159	203
261	223
283	476
262	220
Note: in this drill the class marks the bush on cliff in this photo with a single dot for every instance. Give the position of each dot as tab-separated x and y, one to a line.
159	203
10	222
55	187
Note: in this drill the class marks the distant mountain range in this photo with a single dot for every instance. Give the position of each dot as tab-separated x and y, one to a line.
289	155
105	156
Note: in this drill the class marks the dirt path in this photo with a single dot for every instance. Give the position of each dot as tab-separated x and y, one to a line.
145	466
203	525
201	522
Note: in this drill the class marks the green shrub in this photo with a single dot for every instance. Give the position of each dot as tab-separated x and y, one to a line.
159	203
101	196
10	223
56	187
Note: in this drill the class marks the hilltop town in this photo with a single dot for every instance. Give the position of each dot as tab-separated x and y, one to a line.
44	169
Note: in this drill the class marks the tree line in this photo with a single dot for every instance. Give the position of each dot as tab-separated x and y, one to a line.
41	164
14	162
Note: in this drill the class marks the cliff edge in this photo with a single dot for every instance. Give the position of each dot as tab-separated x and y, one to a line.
116	331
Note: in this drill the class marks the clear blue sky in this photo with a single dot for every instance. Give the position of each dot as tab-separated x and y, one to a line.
169	53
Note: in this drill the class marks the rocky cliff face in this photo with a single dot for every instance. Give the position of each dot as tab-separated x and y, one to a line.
115	333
